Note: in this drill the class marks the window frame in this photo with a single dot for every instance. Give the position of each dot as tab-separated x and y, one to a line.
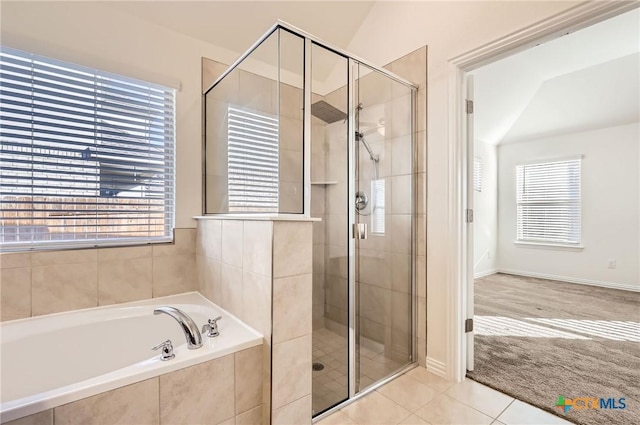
551	243
117	183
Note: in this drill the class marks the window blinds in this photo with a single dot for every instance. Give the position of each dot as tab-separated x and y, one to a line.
86	157
548	202
378	206
253	161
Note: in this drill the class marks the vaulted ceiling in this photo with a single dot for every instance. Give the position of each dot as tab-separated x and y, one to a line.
582	81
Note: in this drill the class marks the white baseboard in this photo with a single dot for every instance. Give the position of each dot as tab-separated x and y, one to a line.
485	273
580	281
437	367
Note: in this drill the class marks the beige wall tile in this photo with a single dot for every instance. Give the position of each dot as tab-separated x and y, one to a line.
290	197
114	407
15	292
211	71
256	302
292	248
256	247
291	101
121	281
401	151
291	373
209	238
292	304
123	253
376	266
412	67
250	417
421	275
174	275
63	287
210	279
401	272
297	412
42	418
248	375
184	243
46	258
232	242
401	194
10	260
290	166
200	394
231	289
401	233
375	304
421	186
421	221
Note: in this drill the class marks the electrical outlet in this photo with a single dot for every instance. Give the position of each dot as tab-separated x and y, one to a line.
611	264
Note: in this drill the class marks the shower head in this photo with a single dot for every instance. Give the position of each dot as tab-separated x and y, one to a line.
327	112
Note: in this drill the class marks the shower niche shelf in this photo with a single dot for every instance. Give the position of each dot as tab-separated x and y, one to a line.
324	183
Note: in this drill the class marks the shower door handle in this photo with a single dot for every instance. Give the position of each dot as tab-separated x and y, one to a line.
360	231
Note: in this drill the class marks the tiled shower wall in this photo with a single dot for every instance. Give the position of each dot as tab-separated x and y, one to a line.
384	260
255	93
33	284
260	271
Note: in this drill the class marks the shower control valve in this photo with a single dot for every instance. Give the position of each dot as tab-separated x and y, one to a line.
167	350
211	328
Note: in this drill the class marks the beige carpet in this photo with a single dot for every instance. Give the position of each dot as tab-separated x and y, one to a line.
537	339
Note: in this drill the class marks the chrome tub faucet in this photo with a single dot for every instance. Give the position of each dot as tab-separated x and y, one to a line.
189	327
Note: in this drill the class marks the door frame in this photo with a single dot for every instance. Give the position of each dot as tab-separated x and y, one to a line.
573	19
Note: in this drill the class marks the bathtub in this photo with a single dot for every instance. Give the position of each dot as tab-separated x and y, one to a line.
51	360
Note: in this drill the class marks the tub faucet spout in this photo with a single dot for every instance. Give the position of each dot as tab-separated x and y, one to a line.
189	327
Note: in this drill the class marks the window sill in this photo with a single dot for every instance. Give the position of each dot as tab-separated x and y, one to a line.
546	245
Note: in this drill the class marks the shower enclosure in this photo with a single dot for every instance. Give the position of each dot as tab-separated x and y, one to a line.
296	126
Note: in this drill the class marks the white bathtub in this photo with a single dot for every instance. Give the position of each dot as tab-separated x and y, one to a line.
51	360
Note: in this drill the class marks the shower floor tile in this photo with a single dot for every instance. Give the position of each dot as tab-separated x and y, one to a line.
330	385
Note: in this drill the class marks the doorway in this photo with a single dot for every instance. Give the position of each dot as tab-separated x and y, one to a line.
521	318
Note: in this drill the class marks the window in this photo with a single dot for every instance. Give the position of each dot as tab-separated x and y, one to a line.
548	202
477	174
377	201
253	161
87	157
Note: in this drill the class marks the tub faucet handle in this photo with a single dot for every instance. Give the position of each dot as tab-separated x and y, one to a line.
167	350
211	328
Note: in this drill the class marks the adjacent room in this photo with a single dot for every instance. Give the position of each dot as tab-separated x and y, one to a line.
557	219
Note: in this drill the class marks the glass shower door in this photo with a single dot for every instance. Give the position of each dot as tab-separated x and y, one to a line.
383	206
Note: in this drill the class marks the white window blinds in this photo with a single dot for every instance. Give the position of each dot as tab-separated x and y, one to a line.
477	174
548	202
253	161
86	157
378	203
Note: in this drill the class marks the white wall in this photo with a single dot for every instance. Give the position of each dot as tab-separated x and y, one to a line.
90	34
610	207
485	212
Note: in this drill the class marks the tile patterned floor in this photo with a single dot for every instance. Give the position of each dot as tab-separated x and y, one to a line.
419	397
330	383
